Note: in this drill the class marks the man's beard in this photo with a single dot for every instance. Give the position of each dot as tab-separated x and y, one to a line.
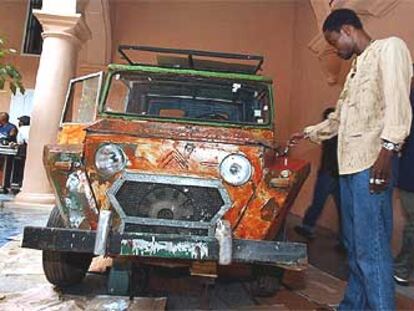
345	56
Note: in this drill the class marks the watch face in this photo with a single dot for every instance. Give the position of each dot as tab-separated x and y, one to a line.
389	146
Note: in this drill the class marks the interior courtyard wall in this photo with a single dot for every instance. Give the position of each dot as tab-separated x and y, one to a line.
255	27
12	24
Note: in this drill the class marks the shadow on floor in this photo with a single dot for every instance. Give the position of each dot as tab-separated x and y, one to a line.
323	253
323	250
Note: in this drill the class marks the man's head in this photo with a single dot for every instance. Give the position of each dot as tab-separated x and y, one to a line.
24	120
4	118
341	29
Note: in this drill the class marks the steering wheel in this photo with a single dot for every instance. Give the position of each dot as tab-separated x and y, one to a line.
213	115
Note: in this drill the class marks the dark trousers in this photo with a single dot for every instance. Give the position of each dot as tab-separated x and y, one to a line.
404	262
325	185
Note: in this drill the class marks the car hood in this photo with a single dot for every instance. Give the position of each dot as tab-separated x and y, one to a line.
239	136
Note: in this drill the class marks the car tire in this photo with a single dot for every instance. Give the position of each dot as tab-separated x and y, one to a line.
267	280
64	268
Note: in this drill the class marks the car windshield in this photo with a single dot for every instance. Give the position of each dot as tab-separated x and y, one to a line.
188	98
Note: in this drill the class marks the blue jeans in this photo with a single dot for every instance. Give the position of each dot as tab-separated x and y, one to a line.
325	185
367	230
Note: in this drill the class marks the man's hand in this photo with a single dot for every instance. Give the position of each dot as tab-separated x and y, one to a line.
381	171
295	138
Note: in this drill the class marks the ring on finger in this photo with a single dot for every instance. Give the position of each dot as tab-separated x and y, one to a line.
377	181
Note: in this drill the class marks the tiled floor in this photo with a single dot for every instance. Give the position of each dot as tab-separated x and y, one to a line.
323	250
12	221
324	254
317	288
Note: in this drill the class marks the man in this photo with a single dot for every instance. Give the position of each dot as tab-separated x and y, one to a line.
24	128
8	134
404	262
20	158
8	131
327	183
372	119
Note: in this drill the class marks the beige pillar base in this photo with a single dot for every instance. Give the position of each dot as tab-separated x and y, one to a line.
32	200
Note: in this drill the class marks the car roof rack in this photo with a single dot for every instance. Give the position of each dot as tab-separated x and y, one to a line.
196	59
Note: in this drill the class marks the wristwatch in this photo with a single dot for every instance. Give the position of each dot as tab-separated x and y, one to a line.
387	145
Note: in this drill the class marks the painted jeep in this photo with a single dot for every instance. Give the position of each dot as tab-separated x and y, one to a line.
170	164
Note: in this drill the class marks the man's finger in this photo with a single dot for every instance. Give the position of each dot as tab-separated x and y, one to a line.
372	180
378	184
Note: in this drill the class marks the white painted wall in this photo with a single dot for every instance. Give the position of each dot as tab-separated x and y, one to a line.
21	105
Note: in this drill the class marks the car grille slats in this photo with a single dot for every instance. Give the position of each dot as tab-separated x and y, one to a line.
168	204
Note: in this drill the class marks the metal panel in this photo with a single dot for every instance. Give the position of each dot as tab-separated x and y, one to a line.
252	69
169	180
72	82
286	254
102	232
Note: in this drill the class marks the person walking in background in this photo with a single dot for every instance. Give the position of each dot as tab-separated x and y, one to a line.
372	119
404	262
327	183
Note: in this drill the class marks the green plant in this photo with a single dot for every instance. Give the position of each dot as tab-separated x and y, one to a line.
8	72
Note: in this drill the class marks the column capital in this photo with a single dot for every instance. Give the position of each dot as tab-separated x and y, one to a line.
71	26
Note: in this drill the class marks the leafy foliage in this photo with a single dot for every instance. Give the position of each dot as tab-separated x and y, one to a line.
8	72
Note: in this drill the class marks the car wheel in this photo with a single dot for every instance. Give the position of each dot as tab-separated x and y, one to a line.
64	268
127	279
267	280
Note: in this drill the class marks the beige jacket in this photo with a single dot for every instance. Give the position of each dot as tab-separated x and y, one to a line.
374	105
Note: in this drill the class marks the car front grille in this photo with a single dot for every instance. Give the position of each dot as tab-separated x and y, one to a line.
169	204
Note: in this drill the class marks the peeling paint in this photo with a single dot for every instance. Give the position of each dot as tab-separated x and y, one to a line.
172	157
79	197
71	134
254	211
99	190
142	247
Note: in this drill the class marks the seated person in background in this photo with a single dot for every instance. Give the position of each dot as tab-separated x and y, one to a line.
24	128
8	134
21	144
8	131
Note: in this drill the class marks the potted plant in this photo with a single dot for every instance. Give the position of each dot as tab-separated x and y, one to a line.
8	72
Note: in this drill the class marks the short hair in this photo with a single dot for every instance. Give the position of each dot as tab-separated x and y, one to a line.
25	120
339	18
5	115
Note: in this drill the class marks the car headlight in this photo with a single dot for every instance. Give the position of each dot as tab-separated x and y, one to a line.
110	159
236	169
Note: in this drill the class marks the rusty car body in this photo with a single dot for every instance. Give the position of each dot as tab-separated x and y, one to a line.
169	164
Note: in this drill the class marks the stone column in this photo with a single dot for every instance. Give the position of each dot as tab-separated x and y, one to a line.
63	37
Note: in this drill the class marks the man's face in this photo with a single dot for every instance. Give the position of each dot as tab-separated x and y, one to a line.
2	120
342	42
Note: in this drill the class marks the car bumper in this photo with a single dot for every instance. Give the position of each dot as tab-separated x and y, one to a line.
286	254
